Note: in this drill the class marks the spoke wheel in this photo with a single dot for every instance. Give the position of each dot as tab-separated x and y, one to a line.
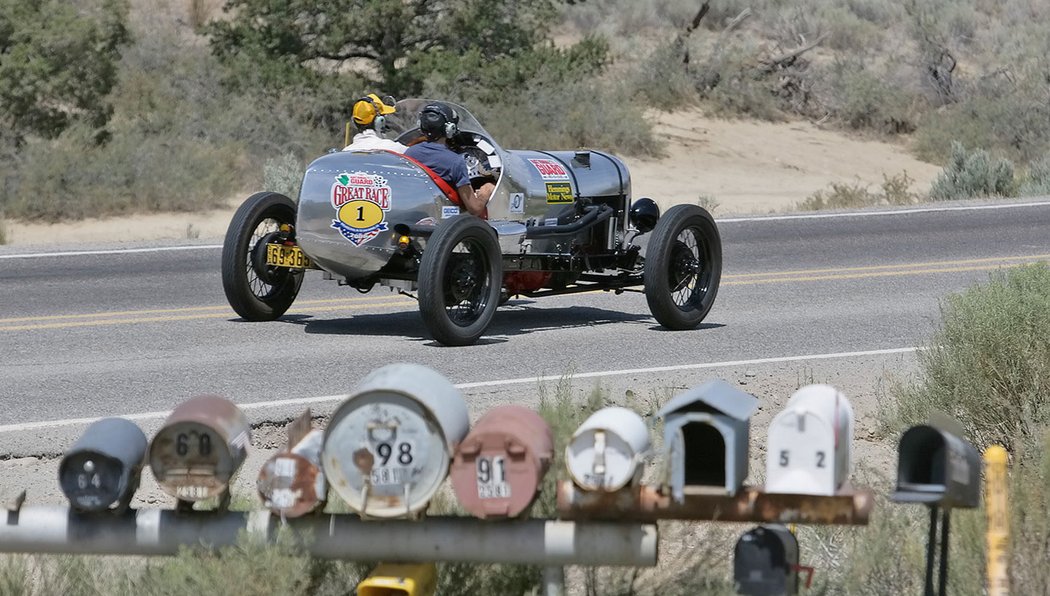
256	291
683	265
459	277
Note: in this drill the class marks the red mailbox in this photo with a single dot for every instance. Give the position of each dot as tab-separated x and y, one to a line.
499	466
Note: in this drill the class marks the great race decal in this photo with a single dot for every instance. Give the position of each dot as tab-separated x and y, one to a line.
550	169
361	201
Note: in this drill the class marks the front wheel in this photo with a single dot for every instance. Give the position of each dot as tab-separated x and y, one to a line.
255	290
683	265
459	280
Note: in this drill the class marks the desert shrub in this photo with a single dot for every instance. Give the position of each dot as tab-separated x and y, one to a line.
896	190
663	80
283	174
731	86
1012	121
1037	179
988	363
865	100
973	174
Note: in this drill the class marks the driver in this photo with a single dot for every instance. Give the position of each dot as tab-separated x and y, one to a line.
369	116
438	122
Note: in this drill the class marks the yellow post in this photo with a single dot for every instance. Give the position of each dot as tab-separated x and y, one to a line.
397	579
998	554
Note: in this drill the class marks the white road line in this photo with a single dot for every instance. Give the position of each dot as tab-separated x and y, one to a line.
115	251
882	213
28	426
718	220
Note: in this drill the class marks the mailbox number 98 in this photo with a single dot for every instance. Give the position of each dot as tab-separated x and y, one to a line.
403	456
183	443
785	460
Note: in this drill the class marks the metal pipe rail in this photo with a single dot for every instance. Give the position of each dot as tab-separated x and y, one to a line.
54	529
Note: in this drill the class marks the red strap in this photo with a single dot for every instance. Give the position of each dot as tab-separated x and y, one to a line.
444	186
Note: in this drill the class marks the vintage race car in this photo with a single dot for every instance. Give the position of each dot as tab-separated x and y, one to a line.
558	222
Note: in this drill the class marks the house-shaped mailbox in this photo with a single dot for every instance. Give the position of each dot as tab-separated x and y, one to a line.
809	443
706	432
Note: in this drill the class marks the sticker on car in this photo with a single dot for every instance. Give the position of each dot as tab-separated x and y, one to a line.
361	202
550	169
517	202
448	211
559	193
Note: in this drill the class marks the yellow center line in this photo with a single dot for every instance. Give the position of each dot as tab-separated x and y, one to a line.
895	267
165	319
377	301
870	274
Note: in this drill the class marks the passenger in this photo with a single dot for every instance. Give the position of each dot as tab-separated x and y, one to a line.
369	117
438	122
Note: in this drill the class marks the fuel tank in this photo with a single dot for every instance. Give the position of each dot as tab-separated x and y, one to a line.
350	202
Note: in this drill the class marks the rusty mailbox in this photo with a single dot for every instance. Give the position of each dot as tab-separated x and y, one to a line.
765	562
101	470
292	483
606	451
809	443
706	432
498	468
199	448
387	447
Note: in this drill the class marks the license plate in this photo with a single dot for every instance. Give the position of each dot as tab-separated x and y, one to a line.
279	255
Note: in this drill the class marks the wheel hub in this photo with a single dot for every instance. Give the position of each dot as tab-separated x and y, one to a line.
463	280
684	266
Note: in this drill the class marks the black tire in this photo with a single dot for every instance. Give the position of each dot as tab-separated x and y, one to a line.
255	291
683	265
460	276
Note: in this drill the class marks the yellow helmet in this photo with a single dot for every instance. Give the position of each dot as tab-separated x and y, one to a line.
368	108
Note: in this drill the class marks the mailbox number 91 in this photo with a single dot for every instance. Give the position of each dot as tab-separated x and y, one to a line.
785	460
184	442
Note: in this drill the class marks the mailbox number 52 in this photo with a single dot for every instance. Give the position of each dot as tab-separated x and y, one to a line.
785	460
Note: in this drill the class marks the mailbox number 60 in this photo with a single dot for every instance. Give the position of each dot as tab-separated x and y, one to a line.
182	444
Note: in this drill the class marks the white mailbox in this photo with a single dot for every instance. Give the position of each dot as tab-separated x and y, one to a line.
605	451
387	447
706	432
809	443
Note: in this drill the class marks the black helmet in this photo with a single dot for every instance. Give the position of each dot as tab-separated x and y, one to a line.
644	213
438	120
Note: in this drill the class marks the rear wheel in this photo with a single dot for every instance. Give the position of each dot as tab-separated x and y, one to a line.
683	265
459	280
256	291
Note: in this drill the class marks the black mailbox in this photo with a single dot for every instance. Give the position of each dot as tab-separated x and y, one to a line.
765	562
102	468
938	468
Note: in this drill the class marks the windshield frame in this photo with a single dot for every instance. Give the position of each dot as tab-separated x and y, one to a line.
406	118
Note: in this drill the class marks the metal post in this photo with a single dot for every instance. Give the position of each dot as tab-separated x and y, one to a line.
945	526
998	523
931	546
49	529
553	581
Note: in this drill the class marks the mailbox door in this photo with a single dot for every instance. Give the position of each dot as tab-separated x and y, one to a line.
765	562
192	462
605	451
800	458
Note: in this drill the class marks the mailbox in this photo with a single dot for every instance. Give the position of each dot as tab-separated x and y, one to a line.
400	579
101	469
937	467
387	446
292	483
706	431
499	467
765	562
199	448
809	443
606	451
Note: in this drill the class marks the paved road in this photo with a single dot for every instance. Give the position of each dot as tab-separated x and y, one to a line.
93	334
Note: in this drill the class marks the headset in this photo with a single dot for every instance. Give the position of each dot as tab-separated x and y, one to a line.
451	127
378	119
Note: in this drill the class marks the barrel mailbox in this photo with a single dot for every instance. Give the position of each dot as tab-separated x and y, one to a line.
292	483
606	451
499	467
810	443
706	433
199	448
937	467
388	445
765	562
101	470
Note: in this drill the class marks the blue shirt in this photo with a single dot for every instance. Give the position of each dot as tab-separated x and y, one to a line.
445	162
